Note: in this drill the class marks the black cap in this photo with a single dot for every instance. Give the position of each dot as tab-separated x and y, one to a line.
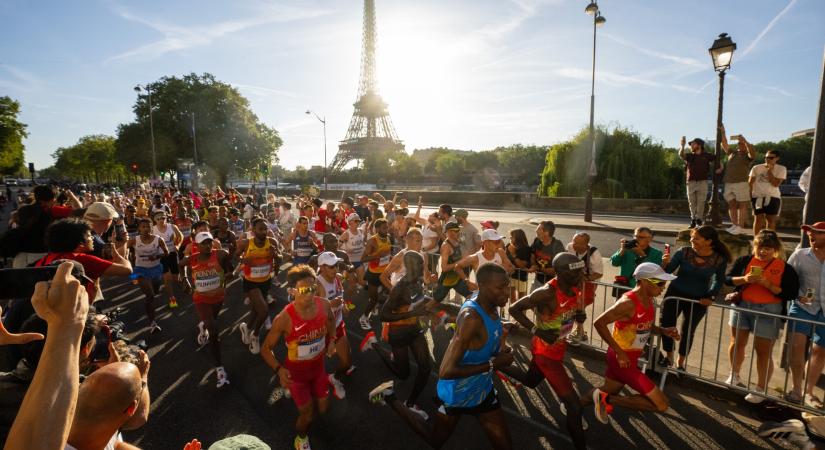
699	141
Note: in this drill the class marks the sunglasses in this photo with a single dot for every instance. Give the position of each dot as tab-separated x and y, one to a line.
655	282
305	290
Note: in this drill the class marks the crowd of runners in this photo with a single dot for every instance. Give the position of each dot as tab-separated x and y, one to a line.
414	273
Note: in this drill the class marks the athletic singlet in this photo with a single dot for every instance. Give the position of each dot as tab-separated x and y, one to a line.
633	334
560	320
450	278
301	249
131	228
415	299
332	291
237	226
144	251
185	226
259	267
209	279
471	391
353	245
483	260
167	236
378	265
306	340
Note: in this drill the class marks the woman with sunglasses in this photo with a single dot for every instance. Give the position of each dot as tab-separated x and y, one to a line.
765	285
701	270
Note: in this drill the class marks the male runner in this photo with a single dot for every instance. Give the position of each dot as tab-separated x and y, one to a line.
465	382
452	278
308	327
259	257
147	251
302	241
377	255
633	317
331	287
172	236
491	252
210	270
555	305
352	242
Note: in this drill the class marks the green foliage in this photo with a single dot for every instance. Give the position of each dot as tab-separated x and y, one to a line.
91	159
230	137
12	132
450	166
521	163
406	168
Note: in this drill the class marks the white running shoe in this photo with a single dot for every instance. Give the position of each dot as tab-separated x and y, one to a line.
337	387
381	392
203	335
154	327
222	378
368	341
418	411
365	322
601	407
244	333
733	380
254	345
755	399
268	322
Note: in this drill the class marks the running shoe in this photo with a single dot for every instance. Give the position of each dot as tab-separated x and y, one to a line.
600	405
268	322
733	380
664	361
244	333
302	443
574	339
813	401
254	345
365	322
754	399
203	335
337	387
418	411
381	393
173	302
368	341
154	327
792	430
222	378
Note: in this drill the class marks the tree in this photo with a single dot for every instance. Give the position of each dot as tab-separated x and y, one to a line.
406	168
91	159
794	153
522	163
229	135
12	132
450	166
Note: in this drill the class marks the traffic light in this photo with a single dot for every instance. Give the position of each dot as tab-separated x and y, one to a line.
31	169
264	167
134	167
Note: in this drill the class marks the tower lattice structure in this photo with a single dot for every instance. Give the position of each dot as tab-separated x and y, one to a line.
370	130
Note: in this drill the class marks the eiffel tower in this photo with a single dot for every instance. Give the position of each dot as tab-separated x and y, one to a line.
370	130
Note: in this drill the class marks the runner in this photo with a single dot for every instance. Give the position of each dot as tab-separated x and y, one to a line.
352	242
331	287
259	257
465	382
236	224
308	327
302	242
148	250
396	269
555	306
183	222
130	221
450	277
210	270
172	237
225	236
377	254
491	252
633	318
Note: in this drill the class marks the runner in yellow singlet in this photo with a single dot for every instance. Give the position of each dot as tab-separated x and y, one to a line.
377	255
259	256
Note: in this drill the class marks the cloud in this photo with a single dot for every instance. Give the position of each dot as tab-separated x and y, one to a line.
765	31
526	10
683	60
177	37
265	91
20	80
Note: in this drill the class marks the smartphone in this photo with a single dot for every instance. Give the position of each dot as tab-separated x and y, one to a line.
756	270
19	283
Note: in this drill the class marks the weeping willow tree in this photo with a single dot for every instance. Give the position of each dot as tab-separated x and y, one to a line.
628	166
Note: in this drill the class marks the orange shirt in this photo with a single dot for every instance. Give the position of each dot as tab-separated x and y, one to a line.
772	271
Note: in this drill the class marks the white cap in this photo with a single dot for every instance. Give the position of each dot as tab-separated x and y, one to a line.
202	236
490	235
328	259
651	270
353	216
100	211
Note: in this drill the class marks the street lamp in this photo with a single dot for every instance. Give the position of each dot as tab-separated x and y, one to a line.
598	20
323	121
139	89
721	52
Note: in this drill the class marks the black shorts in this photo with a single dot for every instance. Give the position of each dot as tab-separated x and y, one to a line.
373	279
490	403
170	263
263	286
769	208
403	336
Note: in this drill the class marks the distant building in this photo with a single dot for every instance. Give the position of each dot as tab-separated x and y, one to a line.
803	133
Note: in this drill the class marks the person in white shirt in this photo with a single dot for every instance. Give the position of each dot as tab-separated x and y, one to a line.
593	270
764	180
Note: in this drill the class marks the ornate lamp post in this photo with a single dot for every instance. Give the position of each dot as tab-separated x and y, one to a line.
598	20
721	52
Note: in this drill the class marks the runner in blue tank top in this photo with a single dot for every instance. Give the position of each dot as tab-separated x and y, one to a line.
465	382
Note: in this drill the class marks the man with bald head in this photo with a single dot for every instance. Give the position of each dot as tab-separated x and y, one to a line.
107	401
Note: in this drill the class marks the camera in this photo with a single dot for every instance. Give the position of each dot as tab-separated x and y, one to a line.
113	331
19	283
633	243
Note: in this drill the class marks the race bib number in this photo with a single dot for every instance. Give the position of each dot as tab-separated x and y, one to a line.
310	350
384	260
186	232
259	271
566	327
641	340
207	284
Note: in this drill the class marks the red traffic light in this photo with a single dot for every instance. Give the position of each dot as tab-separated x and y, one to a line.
134	167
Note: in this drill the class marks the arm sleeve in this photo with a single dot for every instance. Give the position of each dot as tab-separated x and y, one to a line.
655	256
738	269
616	259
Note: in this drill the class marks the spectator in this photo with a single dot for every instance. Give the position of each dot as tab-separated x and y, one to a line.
362	208
809	264
698	171
101	216
470	239
593	270
737	191
764	283
545	247
519	253
33	220
766	199
632	253
701	270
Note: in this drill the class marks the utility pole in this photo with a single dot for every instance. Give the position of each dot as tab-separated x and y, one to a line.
814	211
194	156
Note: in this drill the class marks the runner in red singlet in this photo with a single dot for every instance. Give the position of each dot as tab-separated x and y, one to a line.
632	317
308	327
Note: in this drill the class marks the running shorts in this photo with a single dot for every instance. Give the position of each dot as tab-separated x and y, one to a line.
555	374
490	403
631	376
263	286
308	383
170	263
373	279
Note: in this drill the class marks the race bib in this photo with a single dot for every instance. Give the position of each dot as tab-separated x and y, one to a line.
310	350
207	284
641	340
384	260
259	271
566	327
186	232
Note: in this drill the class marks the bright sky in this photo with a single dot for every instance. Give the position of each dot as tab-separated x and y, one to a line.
467	74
